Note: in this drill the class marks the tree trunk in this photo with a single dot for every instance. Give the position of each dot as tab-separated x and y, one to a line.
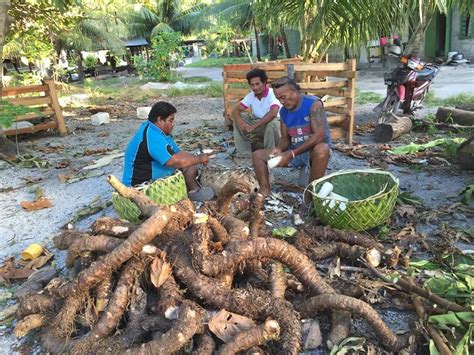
452	115
274	48
257	44
285	42
465	154
416	40
4	22
15	65
392	128
80	66
7	148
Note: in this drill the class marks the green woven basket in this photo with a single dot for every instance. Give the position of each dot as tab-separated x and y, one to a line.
372	196
164	192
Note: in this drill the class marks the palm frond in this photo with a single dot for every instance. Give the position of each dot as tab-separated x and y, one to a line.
161	27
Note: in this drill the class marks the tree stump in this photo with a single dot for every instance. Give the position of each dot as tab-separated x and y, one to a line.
392	128
465	154
452	115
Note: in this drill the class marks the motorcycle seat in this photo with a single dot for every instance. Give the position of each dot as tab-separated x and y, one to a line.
427	73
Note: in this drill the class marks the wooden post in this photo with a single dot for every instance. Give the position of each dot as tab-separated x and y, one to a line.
227	121
291	70
58	114
351	101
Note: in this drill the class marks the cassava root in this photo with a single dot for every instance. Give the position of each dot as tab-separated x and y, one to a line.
114	306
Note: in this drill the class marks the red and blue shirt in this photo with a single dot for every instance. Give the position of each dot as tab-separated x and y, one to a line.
298	122
146	155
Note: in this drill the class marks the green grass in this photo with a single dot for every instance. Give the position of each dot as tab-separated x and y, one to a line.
111	90
212	90
365	97
451	101
197	79
219	62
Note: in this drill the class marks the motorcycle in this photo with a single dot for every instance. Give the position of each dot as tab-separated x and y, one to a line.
407	86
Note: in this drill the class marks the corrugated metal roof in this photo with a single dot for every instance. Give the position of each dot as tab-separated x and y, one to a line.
136	42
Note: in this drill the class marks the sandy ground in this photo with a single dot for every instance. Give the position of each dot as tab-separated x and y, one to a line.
435	186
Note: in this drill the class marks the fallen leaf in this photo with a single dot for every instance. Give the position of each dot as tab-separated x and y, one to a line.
406	210
36	205
348	345
31	179
62	164
284	232
103	161
73	176
160	270
37	263
8	312
311	335
407	231
9	271
225	325
95	206
96	151
67	176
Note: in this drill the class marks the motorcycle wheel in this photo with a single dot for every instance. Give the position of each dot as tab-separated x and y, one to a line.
391	103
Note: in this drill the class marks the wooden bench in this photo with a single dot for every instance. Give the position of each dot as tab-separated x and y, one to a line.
103	69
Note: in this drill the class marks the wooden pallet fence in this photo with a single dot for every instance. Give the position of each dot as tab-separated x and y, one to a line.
235	82
333	81
49	115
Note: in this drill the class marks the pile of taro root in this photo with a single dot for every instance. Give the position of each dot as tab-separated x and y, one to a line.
152	288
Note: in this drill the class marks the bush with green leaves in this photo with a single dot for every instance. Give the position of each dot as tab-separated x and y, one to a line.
9	112
27	78
165	54
89	62
140	65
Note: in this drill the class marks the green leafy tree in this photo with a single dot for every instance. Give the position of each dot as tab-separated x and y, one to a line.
350	23
240	15
100	25
22	16
165	54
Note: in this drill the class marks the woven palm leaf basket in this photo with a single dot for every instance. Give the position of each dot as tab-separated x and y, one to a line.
372	196
164	192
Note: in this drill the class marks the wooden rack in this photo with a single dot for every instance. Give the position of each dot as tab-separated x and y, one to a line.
49	115
333	81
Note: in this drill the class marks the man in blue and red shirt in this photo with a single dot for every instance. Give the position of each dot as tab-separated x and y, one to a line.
305	140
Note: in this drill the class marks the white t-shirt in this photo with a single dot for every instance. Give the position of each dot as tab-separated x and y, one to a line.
260	107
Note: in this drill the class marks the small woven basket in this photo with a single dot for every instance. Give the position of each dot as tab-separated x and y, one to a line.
372	196
164	192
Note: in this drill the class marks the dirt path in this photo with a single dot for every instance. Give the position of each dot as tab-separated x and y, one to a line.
434	185
199	120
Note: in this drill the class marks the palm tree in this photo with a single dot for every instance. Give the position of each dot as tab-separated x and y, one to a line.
423	12
241	15
350	23
92	34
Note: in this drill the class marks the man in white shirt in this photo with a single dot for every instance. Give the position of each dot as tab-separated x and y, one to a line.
261	129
